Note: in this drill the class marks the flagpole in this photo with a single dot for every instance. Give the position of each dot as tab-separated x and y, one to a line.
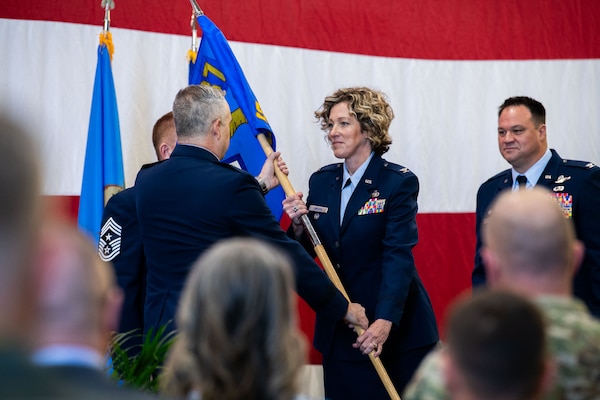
194	33
192	53
105	35
103	163
197	11
107	5
326	262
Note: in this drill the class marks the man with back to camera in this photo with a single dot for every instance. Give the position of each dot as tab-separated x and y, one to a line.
192	200
121	241
575	185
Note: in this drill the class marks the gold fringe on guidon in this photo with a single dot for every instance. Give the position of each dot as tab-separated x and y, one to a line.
106	40
191	56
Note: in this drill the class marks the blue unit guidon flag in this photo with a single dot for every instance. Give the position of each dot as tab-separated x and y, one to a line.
216	65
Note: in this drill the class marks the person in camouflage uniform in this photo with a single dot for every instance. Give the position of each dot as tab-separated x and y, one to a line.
531	248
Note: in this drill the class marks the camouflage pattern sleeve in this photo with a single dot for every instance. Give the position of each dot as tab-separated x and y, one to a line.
428	381
574	338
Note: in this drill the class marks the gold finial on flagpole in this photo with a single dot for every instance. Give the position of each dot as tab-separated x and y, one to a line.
196	8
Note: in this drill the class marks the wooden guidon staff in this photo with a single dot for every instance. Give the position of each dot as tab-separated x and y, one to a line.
327	265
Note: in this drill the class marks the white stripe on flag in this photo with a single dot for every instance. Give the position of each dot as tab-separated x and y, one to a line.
445	110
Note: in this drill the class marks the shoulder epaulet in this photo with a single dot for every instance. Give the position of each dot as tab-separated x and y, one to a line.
234	168
390	166
329	168
579	164
498	175
152	164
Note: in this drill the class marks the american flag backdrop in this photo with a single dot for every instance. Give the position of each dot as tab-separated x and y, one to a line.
445	65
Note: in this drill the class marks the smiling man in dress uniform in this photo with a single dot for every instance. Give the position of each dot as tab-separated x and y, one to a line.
575	185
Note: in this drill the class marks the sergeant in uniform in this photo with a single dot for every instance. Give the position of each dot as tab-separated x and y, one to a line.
120	238
575	185
529	247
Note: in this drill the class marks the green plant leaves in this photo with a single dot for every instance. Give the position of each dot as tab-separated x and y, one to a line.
138	365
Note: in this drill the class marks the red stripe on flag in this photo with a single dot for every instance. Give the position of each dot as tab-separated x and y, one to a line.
444	257
427	29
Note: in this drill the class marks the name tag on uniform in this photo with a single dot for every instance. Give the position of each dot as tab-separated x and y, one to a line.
372	206
318	209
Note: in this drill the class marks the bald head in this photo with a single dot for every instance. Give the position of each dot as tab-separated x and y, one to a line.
527	233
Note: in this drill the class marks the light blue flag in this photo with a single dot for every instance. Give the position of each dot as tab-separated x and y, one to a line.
216	65
103	168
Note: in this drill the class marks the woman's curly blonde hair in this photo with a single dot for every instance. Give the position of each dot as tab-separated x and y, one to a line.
371	109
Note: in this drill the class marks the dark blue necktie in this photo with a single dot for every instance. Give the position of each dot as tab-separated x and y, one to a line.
346	193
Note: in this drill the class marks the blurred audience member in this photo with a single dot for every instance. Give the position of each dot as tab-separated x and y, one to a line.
78	309
238	337
496	349
19	212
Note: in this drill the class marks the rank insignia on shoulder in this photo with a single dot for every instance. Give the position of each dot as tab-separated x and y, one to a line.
562	179
590	165
109	245
372	206
404	170
565	201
